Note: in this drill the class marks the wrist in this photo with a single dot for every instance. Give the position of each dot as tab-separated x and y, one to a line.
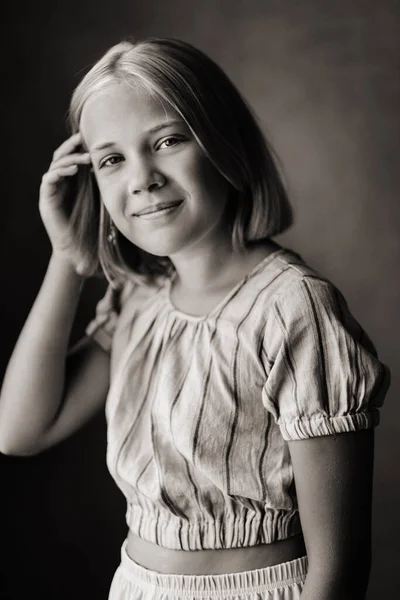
65	267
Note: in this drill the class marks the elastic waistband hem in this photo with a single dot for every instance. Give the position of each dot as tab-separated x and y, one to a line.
244	582
230	530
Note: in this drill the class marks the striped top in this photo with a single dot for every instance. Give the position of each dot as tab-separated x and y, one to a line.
200	408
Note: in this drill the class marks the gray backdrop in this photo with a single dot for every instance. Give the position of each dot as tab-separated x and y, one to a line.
323	76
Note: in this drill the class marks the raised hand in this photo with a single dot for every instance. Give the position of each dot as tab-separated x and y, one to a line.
55	197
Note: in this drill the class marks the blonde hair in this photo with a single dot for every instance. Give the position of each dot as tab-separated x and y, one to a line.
224	127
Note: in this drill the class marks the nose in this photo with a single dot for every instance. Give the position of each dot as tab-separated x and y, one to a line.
144	177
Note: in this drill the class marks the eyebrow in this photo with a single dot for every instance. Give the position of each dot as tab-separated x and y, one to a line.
154	129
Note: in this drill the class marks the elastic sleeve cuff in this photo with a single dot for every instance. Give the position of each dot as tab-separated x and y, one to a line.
302	429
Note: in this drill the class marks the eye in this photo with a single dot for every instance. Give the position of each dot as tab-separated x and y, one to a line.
172	140
110	161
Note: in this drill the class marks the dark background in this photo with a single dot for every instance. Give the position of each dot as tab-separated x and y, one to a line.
323	77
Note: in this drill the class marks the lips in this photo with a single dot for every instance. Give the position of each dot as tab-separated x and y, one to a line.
157	207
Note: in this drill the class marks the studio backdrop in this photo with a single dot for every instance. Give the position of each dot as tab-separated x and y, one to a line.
323	77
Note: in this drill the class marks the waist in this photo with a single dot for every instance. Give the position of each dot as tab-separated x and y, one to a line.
213	562
233	525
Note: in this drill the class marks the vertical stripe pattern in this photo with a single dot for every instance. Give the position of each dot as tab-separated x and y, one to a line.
201	408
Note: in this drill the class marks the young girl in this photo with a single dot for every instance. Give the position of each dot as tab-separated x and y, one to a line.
241	393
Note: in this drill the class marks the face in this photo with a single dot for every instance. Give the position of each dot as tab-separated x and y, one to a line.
144	157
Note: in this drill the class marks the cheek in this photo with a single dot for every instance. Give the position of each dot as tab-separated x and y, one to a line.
109	196
197	168
196	173
212	181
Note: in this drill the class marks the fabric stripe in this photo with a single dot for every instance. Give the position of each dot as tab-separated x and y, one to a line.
174	403
233	425
168	503
287	358
185	410
203	397
321	347
235	380
134	423
261	471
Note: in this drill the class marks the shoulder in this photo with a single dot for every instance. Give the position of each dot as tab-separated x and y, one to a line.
288	281
121	302
306	305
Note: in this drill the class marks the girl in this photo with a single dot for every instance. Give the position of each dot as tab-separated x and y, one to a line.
241	393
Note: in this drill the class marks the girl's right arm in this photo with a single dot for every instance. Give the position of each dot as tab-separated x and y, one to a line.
45	395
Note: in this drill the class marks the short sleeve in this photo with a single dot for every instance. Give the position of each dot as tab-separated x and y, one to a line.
323	374
101	329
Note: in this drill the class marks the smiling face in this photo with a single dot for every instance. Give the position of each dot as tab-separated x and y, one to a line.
144	155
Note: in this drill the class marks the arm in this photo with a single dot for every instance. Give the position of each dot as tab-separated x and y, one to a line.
324	389
45	395
333	477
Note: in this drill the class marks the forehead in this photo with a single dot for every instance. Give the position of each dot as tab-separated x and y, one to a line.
119	108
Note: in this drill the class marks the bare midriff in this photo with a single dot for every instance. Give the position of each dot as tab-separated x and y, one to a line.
213	562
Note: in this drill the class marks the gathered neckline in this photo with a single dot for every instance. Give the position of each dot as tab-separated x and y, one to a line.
197	318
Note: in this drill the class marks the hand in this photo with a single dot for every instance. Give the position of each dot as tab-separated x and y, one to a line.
55	198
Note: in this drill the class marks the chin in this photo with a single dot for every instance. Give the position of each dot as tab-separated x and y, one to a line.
159	250
162	247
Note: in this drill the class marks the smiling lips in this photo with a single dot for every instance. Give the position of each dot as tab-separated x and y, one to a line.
157	207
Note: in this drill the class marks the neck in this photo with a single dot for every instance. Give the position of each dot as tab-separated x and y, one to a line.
216	266
202	268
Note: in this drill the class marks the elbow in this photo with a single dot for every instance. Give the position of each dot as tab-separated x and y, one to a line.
12	445
17	439
9	448
16	452
21	445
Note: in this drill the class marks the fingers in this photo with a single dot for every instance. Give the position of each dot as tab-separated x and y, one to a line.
67	155
65	163
82	158
55	175
68	146
52	179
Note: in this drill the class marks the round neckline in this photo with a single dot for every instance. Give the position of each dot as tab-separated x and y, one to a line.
196	318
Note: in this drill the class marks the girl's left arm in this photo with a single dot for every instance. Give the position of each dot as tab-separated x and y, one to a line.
333	478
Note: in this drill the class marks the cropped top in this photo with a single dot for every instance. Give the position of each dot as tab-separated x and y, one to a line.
201	408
